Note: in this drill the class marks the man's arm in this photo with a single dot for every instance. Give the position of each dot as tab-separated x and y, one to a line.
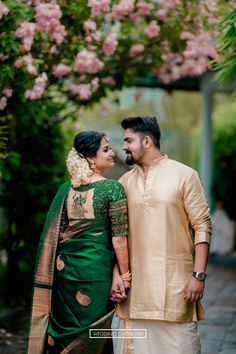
198	212
195	288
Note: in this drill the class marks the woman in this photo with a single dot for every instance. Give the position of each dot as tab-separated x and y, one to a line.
84	235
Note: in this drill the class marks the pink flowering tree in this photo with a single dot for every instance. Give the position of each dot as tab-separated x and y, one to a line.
72	53
86	47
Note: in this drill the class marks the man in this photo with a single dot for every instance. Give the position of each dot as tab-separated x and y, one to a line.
169	237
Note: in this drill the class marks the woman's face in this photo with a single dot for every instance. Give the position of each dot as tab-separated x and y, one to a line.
104	157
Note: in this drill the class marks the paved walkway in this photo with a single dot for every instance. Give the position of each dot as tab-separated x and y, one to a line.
218	330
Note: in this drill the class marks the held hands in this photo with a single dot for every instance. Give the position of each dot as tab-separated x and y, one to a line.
120	286
194	290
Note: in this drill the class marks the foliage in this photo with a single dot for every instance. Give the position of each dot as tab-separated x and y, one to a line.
226	62
224	134
30	177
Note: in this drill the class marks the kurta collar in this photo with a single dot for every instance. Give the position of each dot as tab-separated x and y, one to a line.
155	162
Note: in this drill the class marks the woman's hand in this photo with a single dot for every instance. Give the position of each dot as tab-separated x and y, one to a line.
118	291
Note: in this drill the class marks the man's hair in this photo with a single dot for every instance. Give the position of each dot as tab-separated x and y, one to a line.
146	126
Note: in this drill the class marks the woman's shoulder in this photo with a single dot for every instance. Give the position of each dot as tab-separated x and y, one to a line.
113	185
112	182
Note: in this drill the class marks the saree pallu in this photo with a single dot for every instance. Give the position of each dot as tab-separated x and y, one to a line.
82	282
44	271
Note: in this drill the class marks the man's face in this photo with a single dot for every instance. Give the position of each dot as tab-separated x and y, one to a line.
133	147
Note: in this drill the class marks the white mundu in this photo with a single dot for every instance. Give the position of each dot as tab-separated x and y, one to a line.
163	337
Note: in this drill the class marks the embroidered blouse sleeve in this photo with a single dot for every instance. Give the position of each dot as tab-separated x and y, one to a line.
118	211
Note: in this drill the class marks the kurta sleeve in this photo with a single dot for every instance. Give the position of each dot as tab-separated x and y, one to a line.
197	209
118	211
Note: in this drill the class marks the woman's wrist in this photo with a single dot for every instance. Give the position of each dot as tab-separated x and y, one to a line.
127	275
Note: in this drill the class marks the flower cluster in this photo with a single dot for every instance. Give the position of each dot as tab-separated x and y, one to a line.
28	61
78	168
26	32
61	70
87	62
38	89
3	10
7	93
110	43
47	19
98	6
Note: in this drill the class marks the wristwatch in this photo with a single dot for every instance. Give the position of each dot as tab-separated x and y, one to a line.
199	275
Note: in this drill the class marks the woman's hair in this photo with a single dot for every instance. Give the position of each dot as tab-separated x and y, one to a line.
87	143
144	125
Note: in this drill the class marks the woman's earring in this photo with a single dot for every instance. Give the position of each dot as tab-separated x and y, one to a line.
93	166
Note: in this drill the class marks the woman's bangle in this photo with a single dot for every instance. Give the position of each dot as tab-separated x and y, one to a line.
127	276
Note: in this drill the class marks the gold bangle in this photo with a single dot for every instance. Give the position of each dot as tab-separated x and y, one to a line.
127	276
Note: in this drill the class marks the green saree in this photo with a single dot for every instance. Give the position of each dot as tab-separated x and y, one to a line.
74	268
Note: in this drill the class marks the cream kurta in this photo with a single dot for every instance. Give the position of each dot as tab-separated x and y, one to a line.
163	212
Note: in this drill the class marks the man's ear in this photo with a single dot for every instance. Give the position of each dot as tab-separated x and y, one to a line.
147	142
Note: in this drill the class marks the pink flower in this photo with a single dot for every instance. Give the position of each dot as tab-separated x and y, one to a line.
7	92
28	60
110	44
144	8
38	89
90	26
185	35
108	80
152	30
87	62
88	39
98	6
124	8
3	10
97	36
95	83
83	90
168	4
135	17
26	32
137	49
161	15
198	45
3	103
61	70
48	19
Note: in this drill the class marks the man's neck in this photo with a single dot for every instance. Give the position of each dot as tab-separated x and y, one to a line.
148	160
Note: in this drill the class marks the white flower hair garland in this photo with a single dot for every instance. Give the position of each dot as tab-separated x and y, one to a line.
78	168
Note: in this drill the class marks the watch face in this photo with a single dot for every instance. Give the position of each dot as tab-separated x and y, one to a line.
201	276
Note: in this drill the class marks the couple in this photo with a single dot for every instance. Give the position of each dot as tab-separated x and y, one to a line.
83	259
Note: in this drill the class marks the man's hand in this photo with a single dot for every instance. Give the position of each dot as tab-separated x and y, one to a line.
117	293
194	290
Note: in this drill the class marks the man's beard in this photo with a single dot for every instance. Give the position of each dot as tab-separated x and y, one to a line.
129	160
